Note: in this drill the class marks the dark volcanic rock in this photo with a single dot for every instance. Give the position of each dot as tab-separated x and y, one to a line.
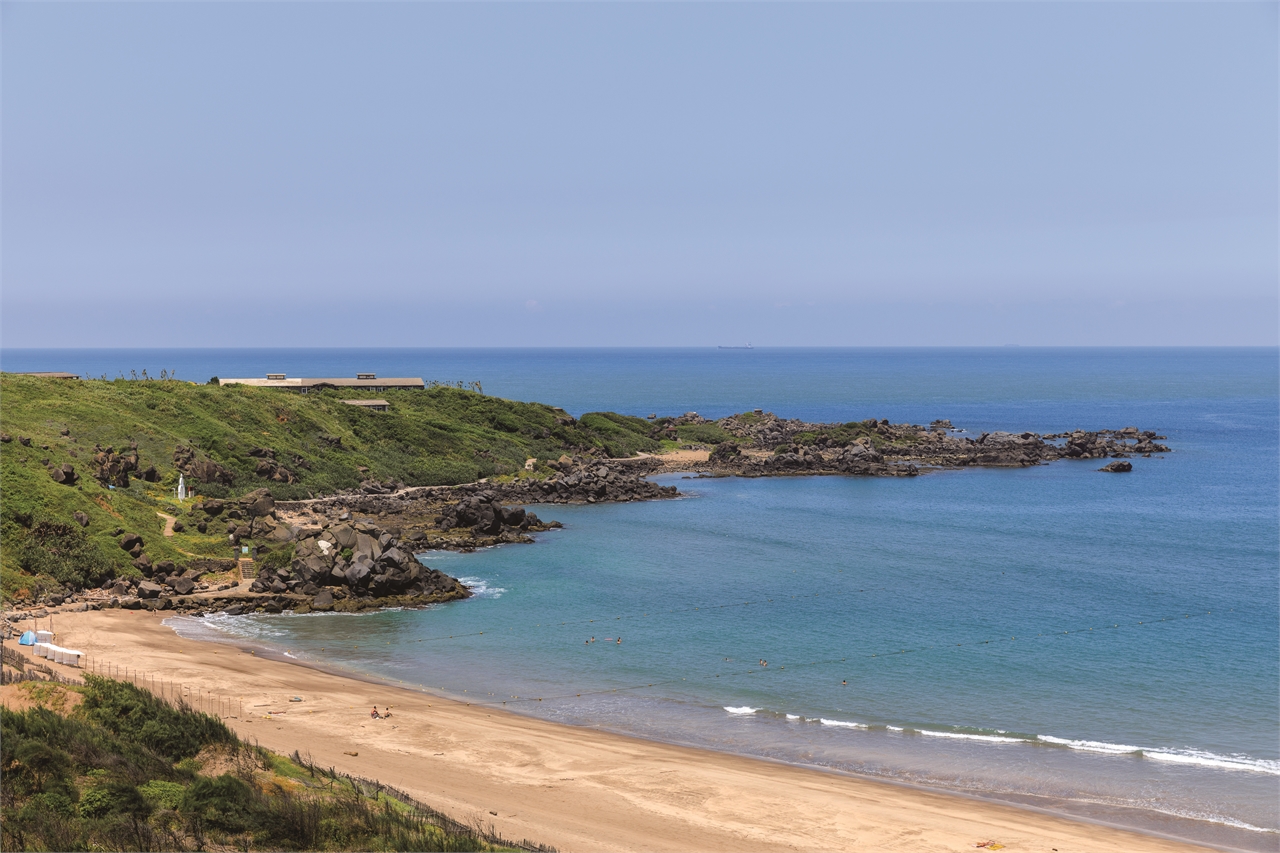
113	469
1117	467
64	474
186	460
81	519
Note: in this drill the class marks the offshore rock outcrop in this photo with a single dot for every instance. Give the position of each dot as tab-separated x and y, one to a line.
766	445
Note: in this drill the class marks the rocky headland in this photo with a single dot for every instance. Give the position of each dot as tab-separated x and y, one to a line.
762	444
357	548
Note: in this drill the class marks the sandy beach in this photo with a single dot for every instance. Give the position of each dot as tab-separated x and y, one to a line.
578	789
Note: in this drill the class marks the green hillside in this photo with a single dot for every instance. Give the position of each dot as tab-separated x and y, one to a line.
125	442
108	766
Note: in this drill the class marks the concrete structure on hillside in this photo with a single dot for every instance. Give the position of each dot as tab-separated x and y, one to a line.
375	405
303	385
50	374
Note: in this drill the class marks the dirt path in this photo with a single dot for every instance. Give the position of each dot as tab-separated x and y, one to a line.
168	523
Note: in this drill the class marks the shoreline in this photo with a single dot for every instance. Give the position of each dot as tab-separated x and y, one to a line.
577	787
1047	805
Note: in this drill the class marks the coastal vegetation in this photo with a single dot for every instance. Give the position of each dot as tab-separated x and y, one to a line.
82	463
108	766
90	473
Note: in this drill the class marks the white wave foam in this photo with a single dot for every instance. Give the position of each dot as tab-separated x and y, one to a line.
1220	762
480	588
743	710
894	728
794	717
1194	757
1091	745
1224	820
842	724
963	736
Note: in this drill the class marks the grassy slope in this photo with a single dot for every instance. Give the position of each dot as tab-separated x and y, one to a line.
432	437
123	770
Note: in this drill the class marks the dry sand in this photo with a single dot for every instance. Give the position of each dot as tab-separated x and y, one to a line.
578	789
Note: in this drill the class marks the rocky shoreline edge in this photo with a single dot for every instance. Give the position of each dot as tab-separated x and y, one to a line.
357	550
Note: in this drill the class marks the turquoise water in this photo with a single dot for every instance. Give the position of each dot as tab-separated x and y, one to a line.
1169	725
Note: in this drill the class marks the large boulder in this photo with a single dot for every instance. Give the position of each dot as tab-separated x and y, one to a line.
344	535
259	502
81	519
147	589
210	506
64	474
130	541
393	556
113	469
366	546
725	451
1120	466
201	470
182	586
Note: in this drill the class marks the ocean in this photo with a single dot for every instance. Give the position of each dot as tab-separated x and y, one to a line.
1095	644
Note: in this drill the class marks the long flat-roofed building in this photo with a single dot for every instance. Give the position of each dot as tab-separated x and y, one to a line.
303	385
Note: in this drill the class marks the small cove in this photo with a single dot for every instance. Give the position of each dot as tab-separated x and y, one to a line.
1169	725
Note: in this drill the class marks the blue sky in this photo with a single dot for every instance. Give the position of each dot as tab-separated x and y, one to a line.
422	174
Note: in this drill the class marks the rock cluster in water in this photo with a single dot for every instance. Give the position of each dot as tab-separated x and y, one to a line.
884	449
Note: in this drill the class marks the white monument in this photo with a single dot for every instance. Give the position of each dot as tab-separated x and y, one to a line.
182	488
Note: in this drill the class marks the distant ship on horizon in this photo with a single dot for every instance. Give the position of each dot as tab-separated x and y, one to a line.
748	346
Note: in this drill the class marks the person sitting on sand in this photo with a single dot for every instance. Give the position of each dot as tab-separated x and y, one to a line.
374	714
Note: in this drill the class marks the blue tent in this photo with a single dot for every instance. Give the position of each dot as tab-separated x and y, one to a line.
28	638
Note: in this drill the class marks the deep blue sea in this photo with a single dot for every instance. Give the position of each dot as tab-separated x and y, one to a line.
1102	645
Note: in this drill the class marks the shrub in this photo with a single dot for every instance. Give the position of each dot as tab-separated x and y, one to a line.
702	433
63	552
162	794
223	803
273	560
95	802
122	708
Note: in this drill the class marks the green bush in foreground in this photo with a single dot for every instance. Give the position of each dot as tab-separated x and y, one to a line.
119	772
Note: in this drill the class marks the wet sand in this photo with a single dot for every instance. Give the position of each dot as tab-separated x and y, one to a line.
576	788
